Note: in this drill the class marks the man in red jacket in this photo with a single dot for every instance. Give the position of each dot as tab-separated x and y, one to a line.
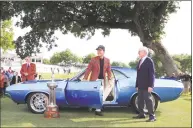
98	67
28	70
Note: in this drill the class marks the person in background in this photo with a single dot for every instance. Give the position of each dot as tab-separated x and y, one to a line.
164	76
5	82
190	85
97	68
36	76
58	70
173	77
186	79
69	71
28	70
179	77
2	80
40	76
10	71
144	84
64	70
16	79
8	77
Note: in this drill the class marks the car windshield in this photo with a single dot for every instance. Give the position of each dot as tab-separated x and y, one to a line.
78	74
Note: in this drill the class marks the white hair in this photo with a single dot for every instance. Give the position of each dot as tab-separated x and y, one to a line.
145	49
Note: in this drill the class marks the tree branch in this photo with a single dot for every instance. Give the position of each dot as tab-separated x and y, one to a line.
137	10
160	12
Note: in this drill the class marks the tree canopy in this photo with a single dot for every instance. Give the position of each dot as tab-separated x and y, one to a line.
6	36
145	19
183	62
66	57
46	61
120	64
88	57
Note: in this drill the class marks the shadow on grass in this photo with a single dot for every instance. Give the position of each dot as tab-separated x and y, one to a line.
106	110
188	99
112	116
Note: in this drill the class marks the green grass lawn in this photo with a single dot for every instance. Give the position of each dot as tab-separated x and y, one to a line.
171	114
57	76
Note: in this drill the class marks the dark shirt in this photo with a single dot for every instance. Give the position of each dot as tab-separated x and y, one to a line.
101	69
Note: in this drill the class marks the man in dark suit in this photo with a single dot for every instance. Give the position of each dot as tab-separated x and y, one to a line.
144	84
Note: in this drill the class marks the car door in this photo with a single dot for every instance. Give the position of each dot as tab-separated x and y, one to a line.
84	93
122	84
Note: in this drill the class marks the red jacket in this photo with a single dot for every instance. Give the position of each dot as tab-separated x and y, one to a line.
31	71
93	69
2	80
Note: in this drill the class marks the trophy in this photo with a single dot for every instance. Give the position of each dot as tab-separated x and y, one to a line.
52	110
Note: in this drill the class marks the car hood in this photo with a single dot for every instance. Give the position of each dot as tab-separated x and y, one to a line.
32	85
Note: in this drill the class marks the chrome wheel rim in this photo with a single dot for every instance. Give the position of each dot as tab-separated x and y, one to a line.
38	102
145	107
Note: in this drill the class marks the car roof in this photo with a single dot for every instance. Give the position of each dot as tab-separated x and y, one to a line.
127	71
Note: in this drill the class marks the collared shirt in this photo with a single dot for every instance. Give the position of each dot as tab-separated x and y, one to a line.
28	64
16	79
101	69
142	60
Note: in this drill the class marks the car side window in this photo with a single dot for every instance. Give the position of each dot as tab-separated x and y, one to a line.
119	75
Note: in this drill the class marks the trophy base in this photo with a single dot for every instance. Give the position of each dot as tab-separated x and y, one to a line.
51	112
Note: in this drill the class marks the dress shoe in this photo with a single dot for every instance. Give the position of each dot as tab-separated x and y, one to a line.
151	120
139	117
98	113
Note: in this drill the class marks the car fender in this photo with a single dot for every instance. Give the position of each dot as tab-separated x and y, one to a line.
154	93
45	92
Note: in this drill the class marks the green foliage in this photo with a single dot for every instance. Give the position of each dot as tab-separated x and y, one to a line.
133	64
145	19
6	36
65	56
183	62
88	57
46	61
159	69
120	64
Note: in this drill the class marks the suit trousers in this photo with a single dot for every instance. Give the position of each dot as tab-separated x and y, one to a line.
144	97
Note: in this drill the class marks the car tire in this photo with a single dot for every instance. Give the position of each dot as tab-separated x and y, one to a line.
135	106
33	102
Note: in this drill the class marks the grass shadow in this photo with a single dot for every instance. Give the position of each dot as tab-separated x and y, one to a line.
118	111
187	99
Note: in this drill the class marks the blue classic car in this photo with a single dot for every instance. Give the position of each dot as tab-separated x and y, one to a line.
77	93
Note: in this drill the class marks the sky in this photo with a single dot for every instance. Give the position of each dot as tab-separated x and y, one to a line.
120	46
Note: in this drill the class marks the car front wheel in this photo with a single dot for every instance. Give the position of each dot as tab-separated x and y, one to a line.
36	102
135	103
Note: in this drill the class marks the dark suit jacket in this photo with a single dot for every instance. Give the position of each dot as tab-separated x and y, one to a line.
93	69
145	74
13	81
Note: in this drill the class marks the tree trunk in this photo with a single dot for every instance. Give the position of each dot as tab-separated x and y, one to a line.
167	61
